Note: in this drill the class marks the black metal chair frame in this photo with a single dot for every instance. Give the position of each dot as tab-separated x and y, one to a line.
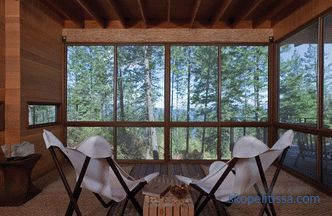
268	208
74	195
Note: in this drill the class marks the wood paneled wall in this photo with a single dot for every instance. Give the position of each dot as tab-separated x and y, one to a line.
2	70
2	59
41	70
13	72
298	18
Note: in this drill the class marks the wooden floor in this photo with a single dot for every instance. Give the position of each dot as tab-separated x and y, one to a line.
190	170
53	199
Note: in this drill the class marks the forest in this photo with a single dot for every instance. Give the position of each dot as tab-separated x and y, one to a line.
127	83
139	77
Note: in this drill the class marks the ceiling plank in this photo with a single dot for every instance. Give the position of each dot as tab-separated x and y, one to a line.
221	11
271	11
118	12
63	11
92	12
247	13
141	9
295	4
168	11
194	12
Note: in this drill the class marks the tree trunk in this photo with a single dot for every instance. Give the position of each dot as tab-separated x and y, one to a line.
205	111
188	103
149	103
257	102
231	139
122	115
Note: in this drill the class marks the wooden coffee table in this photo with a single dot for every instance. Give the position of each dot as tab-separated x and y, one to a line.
168	205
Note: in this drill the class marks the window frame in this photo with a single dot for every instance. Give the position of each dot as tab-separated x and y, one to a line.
168	124
57	114
319	130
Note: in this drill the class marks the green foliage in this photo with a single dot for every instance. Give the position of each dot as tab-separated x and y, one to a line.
230	135
179	150
90	83
298	84
75	135
42	114
200	63
327	85
132	86
135	143
244	83
140	96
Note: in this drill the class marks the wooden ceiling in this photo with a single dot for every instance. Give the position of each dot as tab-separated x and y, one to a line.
173	13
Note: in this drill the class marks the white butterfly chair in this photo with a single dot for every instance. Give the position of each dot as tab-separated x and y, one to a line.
225	181
278	150
96	171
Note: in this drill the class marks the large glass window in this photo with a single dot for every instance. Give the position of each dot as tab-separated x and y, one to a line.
327	161
140	79
194	143
75	135
327	72
302	155
90	72
194	83
229	135
298	70
244	71
140	143
120	91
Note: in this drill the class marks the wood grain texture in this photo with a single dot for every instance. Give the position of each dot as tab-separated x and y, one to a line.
2	54
12	72
167	35
300	17
2	70
41	71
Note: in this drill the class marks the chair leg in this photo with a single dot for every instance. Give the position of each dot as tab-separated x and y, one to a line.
109	212
198	200
70	207
65	182
78	189
267	190
136	205
201	206
263	208
100	199
224	212
124	207
216	207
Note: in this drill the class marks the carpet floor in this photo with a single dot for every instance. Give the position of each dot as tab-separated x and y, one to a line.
53	199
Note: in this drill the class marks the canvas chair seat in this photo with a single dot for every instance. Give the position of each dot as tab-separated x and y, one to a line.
251	158
97	172
99	176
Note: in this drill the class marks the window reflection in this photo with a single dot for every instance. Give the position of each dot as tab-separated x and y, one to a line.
302	155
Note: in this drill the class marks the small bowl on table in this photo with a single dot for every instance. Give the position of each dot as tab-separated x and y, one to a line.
179	191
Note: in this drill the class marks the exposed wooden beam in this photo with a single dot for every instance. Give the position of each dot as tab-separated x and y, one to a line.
141	9
194	12
248	12
221	11
118	12
295	4
271	11
85	6
168	11
60	8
